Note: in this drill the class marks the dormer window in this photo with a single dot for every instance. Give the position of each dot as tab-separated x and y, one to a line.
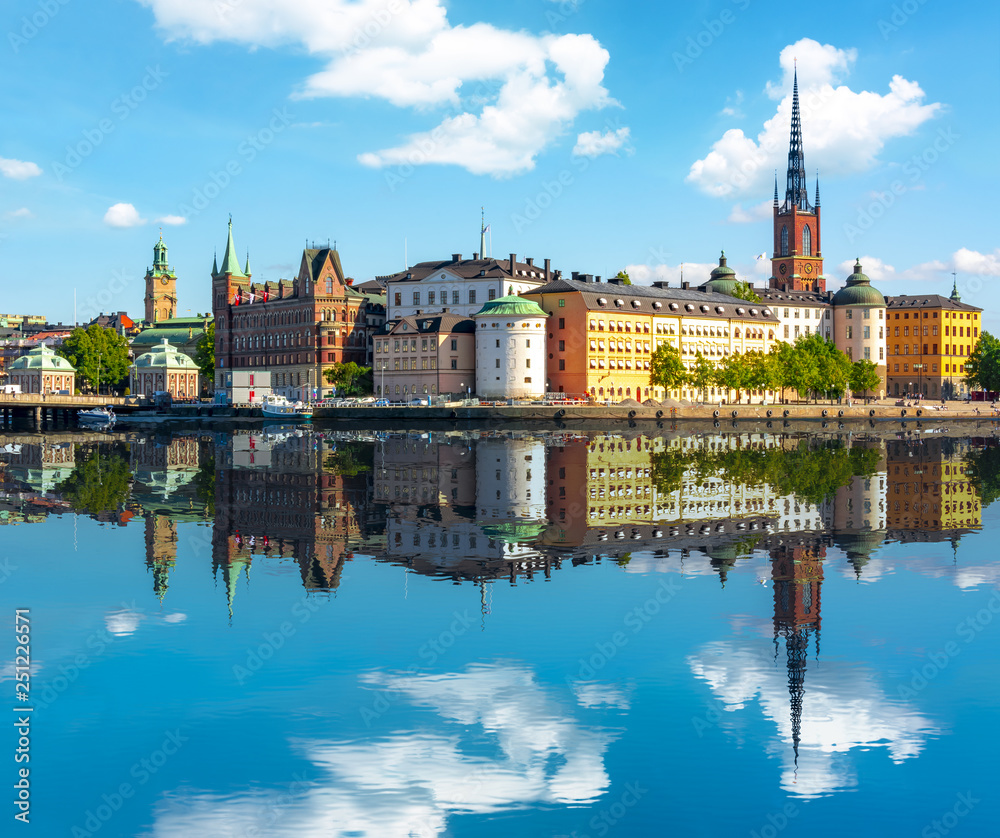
689	307
602	302
657	305
619	303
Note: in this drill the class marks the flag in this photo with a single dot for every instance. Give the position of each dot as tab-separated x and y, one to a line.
761	256
486	229
264	295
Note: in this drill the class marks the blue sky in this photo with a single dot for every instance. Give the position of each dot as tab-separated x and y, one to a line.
598	134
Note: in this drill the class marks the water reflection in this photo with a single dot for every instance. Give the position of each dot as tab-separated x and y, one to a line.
482	506
494	740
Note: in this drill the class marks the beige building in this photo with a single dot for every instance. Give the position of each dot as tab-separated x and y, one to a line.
425	357
42	371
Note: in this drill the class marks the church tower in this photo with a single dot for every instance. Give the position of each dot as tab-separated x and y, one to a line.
797	263
161	287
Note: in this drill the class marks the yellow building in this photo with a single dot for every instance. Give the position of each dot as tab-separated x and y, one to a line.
930	339
928	488
601	335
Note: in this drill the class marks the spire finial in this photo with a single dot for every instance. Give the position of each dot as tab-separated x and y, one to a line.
817	187
776	187
954	288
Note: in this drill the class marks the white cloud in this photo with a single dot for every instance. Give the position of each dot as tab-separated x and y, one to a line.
18	169
411	782
509	94
123	215
596	143
964	262
172	220
764	211
843	130
697	273
844	711
23	212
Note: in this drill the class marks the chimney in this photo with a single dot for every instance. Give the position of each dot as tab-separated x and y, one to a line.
456	257
475	257
661	283
598	279
685	285
575	275
548	268
529	261
350	280
513	264
615	280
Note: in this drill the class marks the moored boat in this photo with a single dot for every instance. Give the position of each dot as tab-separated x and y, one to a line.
96	416
278	407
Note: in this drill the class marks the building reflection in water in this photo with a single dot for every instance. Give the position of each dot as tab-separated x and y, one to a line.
481	506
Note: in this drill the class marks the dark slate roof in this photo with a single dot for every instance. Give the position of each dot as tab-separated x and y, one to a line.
372	286
640	298
426	324
468	269
316	259
901	301
793	298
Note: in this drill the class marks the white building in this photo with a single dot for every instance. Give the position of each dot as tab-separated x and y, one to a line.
510	480
459	286
510	349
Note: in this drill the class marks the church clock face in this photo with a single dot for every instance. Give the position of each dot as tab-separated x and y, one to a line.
782	268
809	269
163	281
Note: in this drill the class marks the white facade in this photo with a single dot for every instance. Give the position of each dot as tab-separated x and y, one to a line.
510	355
859	332
802	320
510	480
445	289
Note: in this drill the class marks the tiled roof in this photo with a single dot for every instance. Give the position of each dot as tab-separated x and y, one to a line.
428	324
469	269
775	297
901	301
605	297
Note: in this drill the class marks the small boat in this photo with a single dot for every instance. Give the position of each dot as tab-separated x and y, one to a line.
96	416
278	407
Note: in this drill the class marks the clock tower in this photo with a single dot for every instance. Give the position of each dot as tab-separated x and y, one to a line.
161	287
797	263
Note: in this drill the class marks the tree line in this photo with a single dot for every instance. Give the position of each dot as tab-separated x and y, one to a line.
812	367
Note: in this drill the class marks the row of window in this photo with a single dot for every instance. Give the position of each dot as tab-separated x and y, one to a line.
807	247
959	350
410	345
865	313
949	331
806	315
948	315
456	297
407	365
866	332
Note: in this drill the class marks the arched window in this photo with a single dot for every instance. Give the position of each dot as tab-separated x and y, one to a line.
807	241
784	241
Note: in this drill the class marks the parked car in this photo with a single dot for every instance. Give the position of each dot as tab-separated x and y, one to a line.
382	403
419	402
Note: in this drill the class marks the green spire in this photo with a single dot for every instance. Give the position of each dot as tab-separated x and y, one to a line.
215	264
247	269
954	289
230	261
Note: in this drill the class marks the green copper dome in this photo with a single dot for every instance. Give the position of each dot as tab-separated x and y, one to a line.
164	355
723	279
858	291
42	358
511	306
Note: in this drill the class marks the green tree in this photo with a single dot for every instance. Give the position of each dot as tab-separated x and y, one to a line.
744	291
733	373
983	366
99	355
100	481
864	377
983	471
623	275
703	375
350	379
764	371
204	354
666	369
350	459
204	485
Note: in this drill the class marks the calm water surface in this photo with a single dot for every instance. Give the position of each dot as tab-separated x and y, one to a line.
298	633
